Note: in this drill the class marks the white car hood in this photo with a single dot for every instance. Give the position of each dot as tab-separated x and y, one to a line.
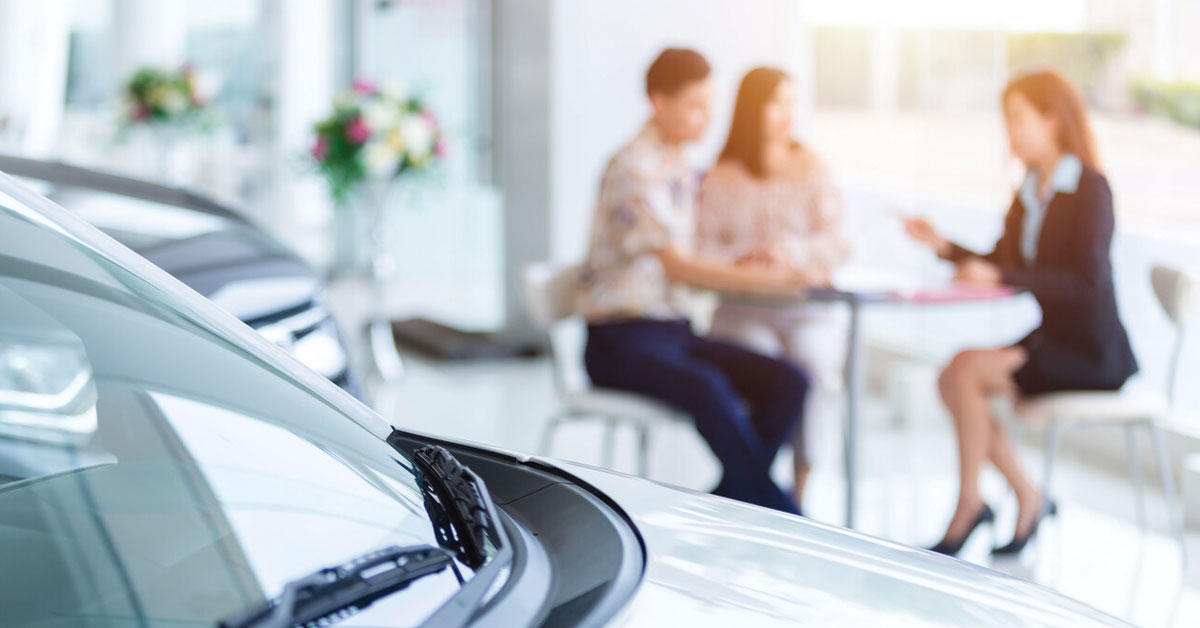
713	561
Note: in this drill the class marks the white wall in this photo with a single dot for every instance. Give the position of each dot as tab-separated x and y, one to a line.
297	52
34	38
149	33
521	99
600	54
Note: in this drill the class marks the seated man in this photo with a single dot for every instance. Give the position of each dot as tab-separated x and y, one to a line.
745	405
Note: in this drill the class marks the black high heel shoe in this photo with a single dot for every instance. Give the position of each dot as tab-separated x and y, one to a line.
952	548
1019	543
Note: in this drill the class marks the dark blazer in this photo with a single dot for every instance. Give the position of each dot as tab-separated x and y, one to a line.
1081	343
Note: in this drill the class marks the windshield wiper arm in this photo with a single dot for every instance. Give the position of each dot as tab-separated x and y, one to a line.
337	592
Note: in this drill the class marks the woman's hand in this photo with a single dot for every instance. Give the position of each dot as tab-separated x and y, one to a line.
920	230
816	277
978	272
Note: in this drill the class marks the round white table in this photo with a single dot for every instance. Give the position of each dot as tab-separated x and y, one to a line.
855	372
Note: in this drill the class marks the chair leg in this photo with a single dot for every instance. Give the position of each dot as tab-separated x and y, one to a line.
1135	472
643	468
1168	482
548	434
1051	451
610	443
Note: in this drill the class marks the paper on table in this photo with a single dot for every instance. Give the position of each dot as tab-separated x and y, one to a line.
960	292
876	280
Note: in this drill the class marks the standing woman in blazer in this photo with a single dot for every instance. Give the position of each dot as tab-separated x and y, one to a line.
1056	242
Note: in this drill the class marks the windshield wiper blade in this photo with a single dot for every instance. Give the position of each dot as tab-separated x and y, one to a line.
334	593
464	520
458	506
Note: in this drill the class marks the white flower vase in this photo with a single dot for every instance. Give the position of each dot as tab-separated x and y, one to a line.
380	263
165	138
373	199
348	258
360	232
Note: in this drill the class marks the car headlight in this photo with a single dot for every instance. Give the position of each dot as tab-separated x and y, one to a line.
44	378
321	351
47	391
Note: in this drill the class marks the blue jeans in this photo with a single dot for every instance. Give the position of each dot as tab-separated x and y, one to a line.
745	405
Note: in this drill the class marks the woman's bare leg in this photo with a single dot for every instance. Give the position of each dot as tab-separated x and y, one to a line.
1029	498
966	386
815	338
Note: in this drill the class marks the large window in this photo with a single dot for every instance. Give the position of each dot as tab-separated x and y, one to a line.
91	81
909	100
446	233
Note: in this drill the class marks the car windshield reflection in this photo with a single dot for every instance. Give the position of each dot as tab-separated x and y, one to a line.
154	472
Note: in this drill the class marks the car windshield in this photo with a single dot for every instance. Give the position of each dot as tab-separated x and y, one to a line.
162	465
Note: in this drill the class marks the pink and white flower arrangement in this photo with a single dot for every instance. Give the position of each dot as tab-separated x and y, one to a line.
161	96
375	133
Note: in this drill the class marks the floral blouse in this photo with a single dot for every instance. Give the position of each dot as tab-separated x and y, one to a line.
796	217
647	203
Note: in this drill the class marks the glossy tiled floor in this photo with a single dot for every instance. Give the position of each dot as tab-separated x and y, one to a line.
1094	551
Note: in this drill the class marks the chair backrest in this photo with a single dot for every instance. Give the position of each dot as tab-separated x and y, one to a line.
550	292
1176	292
550	298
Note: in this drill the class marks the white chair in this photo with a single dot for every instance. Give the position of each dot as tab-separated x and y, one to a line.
549	296
1129	408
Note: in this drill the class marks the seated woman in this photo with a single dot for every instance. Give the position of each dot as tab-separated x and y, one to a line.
769	200
1056	242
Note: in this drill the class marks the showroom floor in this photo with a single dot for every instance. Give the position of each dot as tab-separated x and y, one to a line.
1094	551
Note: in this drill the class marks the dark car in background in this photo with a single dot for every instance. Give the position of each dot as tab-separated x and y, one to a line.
212	248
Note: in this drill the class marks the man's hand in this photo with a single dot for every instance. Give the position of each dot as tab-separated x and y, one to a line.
760	257
978	272
779	279
797	280
775	254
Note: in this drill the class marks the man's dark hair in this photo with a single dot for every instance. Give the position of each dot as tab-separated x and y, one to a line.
674	69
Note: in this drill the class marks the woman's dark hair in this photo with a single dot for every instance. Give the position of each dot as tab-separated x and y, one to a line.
673	69
745	144
1053	94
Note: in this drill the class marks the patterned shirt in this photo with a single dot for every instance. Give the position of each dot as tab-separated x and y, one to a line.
796	217
647	203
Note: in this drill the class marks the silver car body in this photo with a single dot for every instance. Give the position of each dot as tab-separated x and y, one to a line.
716	562
709	561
